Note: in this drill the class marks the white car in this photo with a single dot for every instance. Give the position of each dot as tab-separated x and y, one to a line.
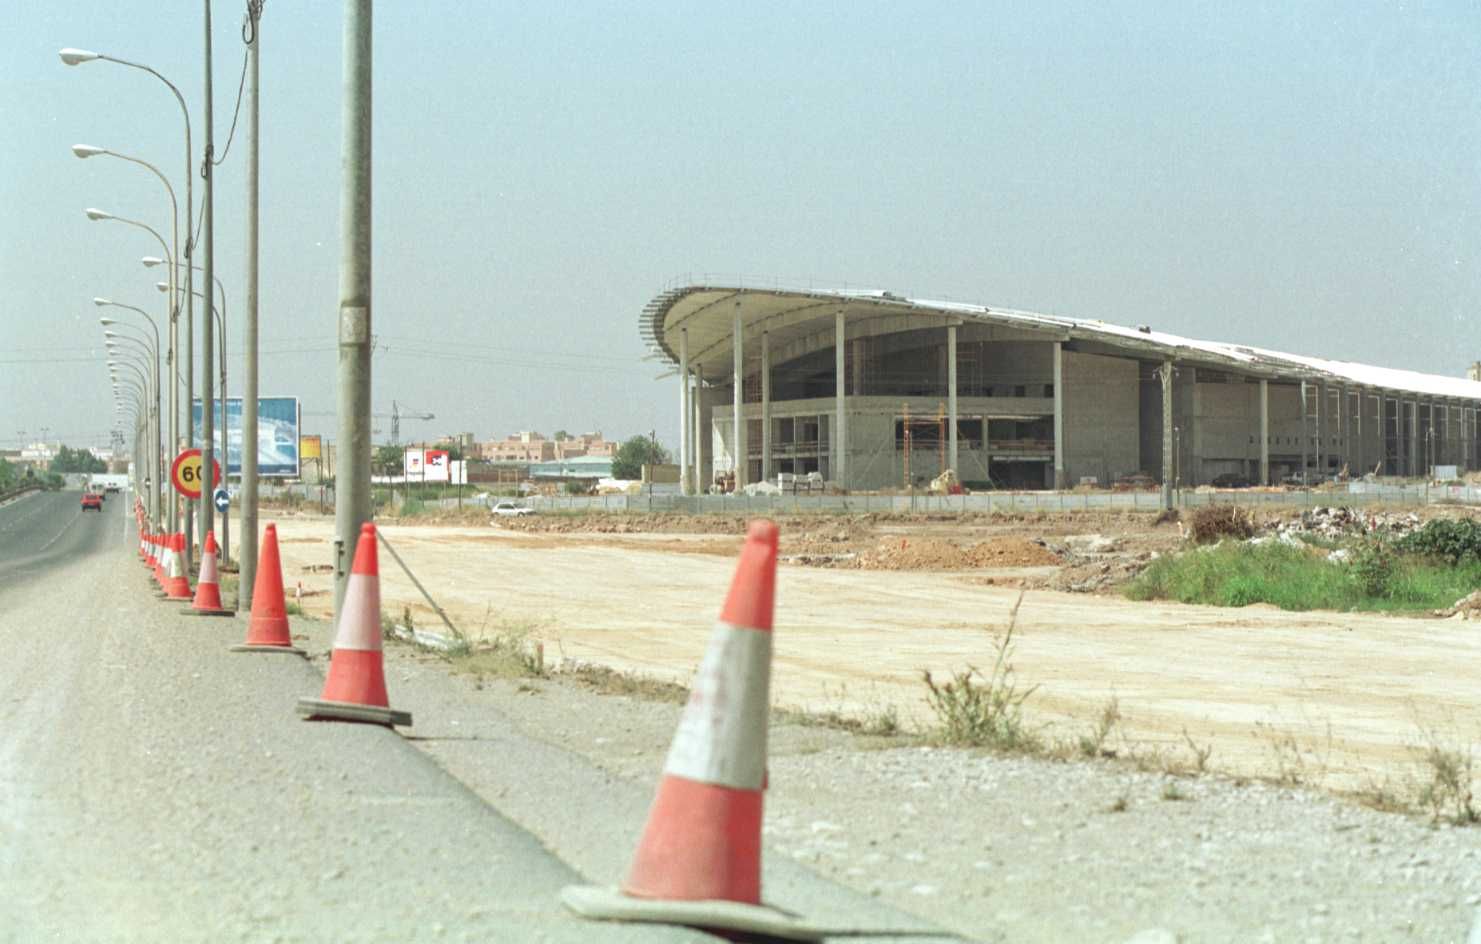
508	509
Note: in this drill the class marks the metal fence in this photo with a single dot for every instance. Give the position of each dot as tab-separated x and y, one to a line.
1356	494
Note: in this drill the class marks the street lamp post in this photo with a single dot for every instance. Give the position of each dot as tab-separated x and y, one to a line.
154	362
73	57
158	465
95	214
221	327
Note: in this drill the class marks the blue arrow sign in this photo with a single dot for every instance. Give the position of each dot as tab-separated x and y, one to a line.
221	499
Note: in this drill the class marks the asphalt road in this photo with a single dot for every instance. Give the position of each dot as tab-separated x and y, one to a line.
44	528
154	787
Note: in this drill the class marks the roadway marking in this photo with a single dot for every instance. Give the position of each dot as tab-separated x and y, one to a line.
64	530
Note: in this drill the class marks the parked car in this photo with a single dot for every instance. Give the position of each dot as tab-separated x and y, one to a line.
92	500
1231	480
508	509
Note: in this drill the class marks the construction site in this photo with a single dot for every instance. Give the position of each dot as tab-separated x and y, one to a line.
873	390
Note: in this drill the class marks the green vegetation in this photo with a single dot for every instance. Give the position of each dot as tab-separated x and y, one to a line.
634	454
977	709
1453	540
1378	577
76	460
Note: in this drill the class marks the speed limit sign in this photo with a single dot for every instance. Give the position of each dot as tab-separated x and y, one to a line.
186	473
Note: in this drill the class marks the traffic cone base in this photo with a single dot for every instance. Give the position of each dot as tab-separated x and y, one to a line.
320	709
610	904
253	647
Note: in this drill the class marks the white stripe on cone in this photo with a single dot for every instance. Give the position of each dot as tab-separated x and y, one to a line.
360	620
722	734
208	568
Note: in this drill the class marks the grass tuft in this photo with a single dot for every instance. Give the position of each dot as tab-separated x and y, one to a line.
974	709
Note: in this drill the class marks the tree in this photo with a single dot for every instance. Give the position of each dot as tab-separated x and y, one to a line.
76	460
560	435
634	454
388	460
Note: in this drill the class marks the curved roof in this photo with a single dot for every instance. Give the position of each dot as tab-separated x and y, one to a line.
797	321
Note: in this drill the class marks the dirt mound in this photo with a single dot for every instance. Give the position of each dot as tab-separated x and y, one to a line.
929	554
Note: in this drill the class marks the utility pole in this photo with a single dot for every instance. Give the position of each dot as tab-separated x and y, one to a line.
247	569
208	406
352	499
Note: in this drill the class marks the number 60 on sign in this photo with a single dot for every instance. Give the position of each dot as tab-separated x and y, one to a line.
186	473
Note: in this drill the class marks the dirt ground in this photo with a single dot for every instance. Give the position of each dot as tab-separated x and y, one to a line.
1342	700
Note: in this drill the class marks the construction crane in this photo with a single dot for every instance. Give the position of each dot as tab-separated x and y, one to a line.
397	414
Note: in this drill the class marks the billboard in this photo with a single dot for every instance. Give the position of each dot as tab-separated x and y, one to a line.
309	447
277	434
426	465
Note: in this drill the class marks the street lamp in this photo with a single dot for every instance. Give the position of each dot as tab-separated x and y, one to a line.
74	57
221	324
155	477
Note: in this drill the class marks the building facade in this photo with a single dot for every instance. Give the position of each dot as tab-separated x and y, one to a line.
874	390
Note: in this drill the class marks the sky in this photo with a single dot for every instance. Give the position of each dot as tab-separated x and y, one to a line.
1298	176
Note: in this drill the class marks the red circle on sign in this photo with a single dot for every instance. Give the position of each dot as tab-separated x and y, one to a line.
185	473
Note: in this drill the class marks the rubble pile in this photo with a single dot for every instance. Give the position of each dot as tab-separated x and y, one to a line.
1466	608
1339	522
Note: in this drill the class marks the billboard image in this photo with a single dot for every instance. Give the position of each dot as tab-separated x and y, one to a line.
277	434
426	465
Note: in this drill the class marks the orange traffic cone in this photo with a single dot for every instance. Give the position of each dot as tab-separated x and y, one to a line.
355	689
208	586
161	559
267	630
699	860
176	584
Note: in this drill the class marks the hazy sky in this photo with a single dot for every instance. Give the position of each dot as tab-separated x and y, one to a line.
1302	176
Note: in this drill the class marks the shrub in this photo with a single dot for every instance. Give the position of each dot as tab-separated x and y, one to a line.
983	710
1213	523
1452	540
1373	567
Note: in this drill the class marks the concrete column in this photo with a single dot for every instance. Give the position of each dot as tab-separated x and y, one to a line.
1166	375
1359	450
951	415
857	383
766	475
1305	436
1339	422
1445	427
1264	432
1059	474
700	485
839	469
1193	468
1415	462
738	437
685	487
1321	431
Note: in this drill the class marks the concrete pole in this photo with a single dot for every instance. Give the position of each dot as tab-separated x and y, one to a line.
951	405
766	475
248	551
1264	432
1059	476
738	436
1322	409
839	470
1339	442
1359	452
352	498
1305	436
1166	374
684	486
208	319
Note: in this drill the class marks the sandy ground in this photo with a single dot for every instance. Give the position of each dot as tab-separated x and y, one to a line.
1342	700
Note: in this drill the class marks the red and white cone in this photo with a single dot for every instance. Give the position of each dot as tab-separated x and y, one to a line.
355	688
267	627
176	584
208	586
698	862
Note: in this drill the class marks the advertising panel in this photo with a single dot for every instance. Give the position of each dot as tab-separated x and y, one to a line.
309	447
277	434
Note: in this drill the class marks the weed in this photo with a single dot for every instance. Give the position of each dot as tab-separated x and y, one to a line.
977	710
1201	753
1094	743
879	722
292	609
1121	804
1172	792
608	681
1448	793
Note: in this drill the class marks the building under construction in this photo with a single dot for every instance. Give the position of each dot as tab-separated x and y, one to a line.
874	390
